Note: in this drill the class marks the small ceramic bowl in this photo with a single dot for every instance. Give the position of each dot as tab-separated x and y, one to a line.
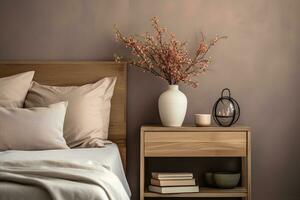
203	119
226	180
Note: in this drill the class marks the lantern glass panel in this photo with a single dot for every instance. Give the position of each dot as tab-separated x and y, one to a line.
225	108
225	111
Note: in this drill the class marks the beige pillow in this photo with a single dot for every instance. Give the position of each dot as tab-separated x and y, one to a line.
13	89
87	118
34	128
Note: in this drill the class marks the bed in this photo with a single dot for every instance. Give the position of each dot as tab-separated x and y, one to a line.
111	158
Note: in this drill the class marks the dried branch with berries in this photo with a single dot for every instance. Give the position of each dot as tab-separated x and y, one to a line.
164	56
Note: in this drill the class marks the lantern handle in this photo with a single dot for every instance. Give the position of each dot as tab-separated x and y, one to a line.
223	91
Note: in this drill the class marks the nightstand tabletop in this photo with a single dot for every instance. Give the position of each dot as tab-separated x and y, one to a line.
187	127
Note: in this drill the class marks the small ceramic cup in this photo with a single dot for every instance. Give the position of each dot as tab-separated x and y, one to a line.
203	119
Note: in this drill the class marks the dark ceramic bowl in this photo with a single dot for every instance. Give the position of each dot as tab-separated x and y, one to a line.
226	180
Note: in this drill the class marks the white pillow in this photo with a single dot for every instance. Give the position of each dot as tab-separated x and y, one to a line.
33	129
13	89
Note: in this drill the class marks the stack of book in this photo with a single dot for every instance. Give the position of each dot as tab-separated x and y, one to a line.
167	183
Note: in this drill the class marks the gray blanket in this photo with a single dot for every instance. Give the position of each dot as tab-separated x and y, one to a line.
64	180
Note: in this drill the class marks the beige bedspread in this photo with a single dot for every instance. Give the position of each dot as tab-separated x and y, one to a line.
65	180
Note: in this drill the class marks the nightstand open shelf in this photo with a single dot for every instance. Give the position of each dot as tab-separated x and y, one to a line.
185	144
205	192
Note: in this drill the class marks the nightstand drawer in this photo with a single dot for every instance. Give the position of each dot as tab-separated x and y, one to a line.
193	144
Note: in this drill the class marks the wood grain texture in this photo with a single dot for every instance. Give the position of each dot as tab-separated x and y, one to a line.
79	73
205	192
192	128
194	144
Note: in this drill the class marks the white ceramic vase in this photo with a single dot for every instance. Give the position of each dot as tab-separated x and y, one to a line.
172	105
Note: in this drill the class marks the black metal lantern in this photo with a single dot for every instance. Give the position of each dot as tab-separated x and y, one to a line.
226	110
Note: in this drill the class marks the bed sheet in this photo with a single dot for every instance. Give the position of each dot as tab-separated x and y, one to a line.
108	156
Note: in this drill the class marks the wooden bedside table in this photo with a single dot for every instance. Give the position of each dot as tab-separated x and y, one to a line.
183	142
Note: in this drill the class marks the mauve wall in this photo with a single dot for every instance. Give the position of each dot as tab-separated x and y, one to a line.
260	62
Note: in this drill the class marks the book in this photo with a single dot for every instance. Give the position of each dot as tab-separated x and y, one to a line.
174	189
164	175
175	178
173	182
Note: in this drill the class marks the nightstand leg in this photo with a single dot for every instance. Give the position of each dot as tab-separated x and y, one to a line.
244	175
249	164
142	166
142	179
246	168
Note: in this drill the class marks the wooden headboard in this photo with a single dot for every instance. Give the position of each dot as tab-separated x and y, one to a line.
79	73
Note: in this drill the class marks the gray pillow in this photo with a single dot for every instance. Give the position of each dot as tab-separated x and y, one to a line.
33	129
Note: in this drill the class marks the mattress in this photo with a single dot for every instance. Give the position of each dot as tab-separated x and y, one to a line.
108	156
